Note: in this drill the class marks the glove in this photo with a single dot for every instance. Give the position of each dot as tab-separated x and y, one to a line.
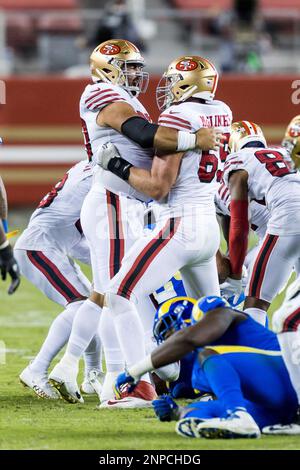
109	159
125	379
231	287
165	408
105	154
9	265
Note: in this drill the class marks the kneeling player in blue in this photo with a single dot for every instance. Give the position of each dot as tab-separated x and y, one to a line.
170	317
239	361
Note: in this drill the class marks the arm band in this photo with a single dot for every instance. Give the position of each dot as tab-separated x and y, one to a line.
119	167
238	235
140	131
186	141
139	369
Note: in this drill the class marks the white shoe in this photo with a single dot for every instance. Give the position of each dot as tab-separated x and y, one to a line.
187	427
39	383
92	383
129	402
238	424
292	429
64	380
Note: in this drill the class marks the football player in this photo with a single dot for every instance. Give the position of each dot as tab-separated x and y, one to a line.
254	171
8	264
286	323
291	141
45	253
112	214
177	242
238	360
170	317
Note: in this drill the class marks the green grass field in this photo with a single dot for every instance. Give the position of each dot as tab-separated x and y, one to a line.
31	423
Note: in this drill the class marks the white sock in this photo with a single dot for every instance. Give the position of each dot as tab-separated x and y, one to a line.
129	329
107	392
85	325
93	356
290	347
114	359
57	337
257	314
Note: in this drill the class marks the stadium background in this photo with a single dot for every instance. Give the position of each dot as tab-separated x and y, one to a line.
44	50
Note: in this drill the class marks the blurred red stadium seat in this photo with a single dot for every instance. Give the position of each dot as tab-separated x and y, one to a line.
38	4
225	4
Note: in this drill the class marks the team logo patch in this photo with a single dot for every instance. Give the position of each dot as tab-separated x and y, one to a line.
110	49
186	65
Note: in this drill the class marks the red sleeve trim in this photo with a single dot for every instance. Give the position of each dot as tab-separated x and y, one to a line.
238	235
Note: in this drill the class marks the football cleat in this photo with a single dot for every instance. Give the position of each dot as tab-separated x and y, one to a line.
238	424
63	379
187	427
141	397
39	383
92	383
292	429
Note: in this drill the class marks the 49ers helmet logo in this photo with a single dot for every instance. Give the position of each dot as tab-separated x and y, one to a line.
110	49
186	65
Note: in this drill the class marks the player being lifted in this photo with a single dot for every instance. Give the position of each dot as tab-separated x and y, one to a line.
186	236
112	214
254	171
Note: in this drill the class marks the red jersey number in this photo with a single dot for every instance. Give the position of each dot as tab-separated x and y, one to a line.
273	161
208	166
49	198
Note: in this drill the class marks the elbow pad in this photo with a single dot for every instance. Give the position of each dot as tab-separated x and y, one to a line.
140	131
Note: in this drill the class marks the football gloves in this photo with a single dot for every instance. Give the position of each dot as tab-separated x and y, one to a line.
166	409
125	379
9	265
109	159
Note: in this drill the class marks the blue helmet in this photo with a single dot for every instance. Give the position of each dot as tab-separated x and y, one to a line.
205	304
172	315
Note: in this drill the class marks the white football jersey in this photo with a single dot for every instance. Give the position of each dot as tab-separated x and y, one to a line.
271	181
196	182
56	221
258	213
94	98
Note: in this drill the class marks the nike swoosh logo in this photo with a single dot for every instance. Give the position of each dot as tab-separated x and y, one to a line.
110	402
173	112
210	301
